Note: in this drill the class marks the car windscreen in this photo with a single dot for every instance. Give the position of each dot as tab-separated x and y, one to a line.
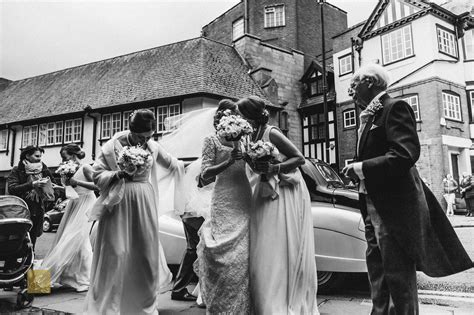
329	174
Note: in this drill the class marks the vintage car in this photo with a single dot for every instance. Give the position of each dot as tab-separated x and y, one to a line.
338	227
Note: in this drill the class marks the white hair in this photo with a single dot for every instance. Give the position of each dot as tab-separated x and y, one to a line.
378	74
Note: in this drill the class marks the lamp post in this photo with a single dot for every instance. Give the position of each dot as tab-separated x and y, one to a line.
325	86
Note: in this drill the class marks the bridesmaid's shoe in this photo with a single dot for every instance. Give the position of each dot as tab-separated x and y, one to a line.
183	295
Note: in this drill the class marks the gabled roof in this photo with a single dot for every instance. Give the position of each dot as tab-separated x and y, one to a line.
193	66
315	65
389	14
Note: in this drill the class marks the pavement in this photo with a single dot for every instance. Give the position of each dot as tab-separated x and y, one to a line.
65	301
460	282
447	295
461	221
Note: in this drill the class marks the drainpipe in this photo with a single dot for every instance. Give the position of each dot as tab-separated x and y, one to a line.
246	17
88	111
12	157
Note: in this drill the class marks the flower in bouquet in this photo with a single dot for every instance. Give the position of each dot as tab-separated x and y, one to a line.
134	160
232	127
262	151
67	169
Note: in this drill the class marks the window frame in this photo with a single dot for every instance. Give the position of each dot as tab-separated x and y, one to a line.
319	80
76	137
465	52
455	95
455	41
384	61
344	118
30	134
273	8
406	97
470	99
105	126
350	62
239	20
4	140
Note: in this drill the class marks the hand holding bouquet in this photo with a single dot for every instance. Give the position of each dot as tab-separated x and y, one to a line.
134	160
232	127
67	170
262	153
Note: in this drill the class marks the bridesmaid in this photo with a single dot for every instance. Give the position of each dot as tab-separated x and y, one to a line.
70	257
283	277
128	262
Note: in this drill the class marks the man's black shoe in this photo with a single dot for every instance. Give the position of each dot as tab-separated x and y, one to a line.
184	295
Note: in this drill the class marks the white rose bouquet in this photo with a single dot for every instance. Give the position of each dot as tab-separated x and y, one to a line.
134	160
262	151
232	127
67	170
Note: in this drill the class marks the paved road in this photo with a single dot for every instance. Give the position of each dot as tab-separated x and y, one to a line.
63	301
353	299
462	282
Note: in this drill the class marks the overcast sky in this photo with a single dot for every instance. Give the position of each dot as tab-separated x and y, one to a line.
39	36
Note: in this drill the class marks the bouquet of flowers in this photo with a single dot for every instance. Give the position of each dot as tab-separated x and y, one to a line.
233	127
262	151
67	169
134	160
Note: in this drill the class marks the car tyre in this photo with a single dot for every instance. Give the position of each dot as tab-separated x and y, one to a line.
329	282
47	226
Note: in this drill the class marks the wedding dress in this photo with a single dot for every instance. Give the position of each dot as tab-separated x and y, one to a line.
70	257
222	264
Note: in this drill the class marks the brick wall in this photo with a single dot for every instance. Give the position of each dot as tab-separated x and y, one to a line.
302	29
286	69
309	36
221	28
283	36
343	40
347	137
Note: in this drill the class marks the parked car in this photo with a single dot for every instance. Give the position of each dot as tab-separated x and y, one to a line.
53	217
338	227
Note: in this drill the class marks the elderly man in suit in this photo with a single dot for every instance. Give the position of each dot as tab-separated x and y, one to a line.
405	227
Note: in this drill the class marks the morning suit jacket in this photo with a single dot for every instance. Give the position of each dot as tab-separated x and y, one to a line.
389	148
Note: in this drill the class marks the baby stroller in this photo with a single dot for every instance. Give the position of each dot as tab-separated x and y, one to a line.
16	249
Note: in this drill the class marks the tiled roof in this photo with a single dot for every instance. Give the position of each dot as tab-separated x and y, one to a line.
198	65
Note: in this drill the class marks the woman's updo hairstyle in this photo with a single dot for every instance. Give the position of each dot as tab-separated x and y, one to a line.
224	105
73	149
142	120
253	107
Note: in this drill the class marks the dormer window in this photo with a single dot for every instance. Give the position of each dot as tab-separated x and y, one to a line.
274	16
315	84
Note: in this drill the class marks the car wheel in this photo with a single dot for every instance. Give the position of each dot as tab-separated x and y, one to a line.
47	226
328	281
